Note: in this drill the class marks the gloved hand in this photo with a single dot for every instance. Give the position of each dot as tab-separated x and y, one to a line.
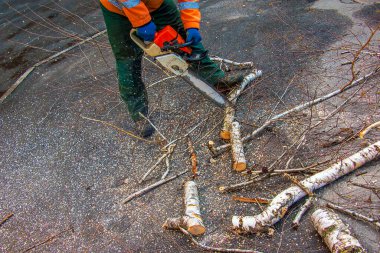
147	32
192	34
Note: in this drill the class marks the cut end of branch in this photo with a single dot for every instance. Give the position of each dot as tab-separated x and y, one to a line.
239	166
197	230
225	135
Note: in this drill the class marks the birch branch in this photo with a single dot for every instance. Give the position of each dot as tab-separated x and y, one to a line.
191	220
239	162
151	187
303	209
168	153
283	201
354	214
299	108
335	233
367	129
229	110
234	63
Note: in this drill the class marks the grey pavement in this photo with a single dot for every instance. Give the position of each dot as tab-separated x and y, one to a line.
61	172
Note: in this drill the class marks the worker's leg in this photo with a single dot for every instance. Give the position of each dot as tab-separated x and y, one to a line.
128	63
168	14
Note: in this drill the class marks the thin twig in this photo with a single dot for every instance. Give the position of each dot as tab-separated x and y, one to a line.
251	200
187	134
299	184
48	239
299	108
150	122
6	218
167	164
167	153
151	187
208	248
117	128
354	214
239	185
30	70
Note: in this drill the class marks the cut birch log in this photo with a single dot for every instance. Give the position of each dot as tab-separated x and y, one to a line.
335	233
191	220
229	116
280	204
238	157
229	110
303	209
354	214
299	108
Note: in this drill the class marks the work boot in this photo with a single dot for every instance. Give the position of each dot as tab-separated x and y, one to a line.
229	81
143	128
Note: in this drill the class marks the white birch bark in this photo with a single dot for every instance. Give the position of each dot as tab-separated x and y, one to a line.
238	157
229	111
192	220
334	232
280	204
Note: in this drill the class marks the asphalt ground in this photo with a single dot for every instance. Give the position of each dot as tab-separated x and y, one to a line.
62	172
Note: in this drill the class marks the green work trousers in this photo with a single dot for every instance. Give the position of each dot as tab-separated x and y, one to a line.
128	55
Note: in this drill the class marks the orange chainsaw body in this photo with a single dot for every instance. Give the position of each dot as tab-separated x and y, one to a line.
169	35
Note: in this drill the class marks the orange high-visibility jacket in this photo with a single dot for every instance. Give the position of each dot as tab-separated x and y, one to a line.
138	11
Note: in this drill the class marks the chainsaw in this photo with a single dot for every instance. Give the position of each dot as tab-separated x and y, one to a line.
170	50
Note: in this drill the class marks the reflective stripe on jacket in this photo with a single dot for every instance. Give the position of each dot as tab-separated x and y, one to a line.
138	11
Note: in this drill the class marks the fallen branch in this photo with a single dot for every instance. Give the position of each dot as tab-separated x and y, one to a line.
280	204
367	129
30	70
354	214
235	94
6	218
299	184
303	209
238	157
251	200
168	153
167	164
208	248
48	239
334	232
116	128
299	108
248	64
151	187
192	220
229	110
155	128
235	187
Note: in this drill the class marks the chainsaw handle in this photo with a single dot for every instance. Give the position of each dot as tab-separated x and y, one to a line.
177	46
151	49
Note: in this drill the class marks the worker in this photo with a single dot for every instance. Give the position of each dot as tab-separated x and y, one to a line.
149	16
